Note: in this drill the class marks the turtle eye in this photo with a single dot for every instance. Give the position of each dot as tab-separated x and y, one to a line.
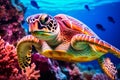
28	19
44	19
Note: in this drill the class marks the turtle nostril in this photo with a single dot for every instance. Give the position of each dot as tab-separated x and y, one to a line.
33	20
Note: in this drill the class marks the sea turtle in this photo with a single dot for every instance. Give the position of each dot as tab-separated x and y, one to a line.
65	38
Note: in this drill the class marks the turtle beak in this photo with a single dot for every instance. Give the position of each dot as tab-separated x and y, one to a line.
33	26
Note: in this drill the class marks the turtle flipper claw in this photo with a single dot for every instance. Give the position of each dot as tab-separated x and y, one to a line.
108	67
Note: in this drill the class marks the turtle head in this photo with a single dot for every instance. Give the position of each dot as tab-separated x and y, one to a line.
43	26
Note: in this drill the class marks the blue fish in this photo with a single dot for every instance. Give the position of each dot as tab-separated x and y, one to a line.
87	7
100	27
34	4
110	19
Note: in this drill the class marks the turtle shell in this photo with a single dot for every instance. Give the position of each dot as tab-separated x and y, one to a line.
74	24
70	27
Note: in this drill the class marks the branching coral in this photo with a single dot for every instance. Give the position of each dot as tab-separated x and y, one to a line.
9	69
28	74
31	73
8	58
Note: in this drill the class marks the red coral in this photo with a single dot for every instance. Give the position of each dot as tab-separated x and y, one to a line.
8	59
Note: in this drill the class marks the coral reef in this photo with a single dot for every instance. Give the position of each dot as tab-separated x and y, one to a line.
29	74
9	69
11	17
87	75
8	59
58	71
10	22
100	76
74	72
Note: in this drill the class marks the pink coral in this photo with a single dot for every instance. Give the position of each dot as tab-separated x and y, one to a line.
31	73
9	69
8	58
28	74
74	72
10	22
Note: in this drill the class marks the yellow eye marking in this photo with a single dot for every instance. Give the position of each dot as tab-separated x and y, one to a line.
43	17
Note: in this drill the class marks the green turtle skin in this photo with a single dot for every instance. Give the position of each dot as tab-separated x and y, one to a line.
65	38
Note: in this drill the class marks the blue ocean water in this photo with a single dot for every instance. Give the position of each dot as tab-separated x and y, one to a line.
98	14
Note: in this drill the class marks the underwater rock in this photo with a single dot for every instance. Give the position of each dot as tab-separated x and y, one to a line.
87	75
42	62
49	68
45	66
10	22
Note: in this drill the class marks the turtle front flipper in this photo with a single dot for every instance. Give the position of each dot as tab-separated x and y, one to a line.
24	48
96	44
108	67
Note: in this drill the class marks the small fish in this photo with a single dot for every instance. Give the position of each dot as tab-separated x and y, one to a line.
110	19
100	27
34	4
87	7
